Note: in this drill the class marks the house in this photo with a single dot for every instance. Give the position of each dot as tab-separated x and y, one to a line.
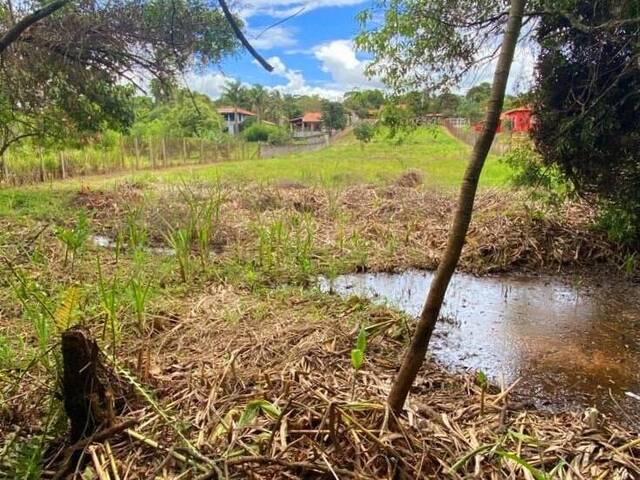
519	118
307	125
234	118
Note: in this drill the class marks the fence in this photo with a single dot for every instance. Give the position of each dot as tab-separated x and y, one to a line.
30	165
311	144
470	136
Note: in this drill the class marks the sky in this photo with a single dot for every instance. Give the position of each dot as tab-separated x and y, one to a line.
313	51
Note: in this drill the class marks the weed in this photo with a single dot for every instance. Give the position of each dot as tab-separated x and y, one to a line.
74	238
357	357
108	292
179	240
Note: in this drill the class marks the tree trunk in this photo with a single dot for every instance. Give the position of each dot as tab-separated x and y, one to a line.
414	356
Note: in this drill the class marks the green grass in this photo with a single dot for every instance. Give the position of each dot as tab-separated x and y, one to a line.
439	156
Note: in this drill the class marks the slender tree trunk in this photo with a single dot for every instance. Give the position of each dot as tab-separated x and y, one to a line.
414	356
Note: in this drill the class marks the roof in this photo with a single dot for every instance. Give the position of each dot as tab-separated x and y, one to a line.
234	109
309	117
516	110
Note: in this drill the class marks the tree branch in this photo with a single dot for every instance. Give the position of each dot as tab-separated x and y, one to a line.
242	38
14	32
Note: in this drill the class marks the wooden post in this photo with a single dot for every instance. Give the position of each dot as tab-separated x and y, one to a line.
152	159
184	150
122	154
164	152
63	169
43	173
137	149
201	150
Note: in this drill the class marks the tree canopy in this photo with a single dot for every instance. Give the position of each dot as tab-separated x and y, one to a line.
74	71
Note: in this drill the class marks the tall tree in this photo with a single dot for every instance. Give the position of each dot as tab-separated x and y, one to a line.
435	43
334	115
259	98
65	73
587	104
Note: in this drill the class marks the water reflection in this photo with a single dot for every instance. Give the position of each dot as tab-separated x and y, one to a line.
570	345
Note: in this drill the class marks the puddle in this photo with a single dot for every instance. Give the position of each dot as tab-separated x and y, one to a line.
103	241
572	346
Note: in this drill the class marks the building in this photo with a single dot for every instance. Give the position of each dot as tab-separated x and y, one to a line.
234	118
519	118
307	125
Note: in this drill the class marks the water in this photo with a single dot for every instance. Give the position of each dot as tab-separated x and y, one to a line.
571	345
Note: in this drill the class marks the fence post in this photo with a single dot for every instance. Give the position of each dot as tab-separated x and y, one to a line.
43	175
137	149
152	159
63	170
184	150
164	152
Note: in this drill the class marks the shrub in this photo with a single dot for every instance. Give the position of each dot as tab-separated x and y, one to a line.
279	137
258	132
364	132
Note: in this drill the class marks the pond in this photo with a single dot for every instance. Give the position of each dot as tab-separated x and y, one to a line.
572	344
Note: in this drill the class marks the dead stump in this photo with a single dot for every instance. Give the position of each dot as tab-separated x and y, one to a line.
88	399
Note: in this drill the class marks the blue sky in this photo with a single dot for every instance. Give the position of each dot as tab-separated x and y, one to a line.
313	52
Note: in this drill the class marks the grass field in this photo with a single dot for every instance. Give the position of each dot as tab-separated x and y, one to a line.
204	301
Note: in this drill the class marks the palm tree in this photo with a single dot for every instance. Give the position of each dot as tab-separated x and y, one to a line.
234	93
259	98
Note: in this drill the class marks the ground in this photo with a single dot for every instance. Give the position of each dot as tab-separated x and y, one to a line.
233	364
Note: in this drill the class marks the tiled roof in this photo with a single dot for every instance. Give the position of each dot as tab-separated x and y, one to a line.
233	109
309	117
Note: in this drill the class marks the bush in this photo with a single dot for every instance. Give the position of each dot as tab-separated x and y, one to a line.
279	137
258	132
364	132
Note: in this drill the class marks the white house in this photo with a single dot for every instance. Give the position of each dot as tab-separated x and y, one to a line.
234	118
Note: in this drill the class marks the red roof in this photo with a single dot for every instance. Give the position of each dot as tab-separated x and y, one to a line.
233	109
519	109
309	117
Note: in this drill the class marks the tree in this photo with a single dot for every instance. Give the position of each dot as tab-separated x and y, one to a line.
364	132
259	98
447	49
334	115
236	94
64	75
586	101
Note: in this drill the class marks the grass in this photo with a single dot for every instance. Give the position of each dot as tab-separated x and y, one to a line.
439	156
247	249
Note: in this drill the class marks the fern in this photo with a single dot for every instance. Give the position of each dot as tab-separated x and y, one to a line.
63	316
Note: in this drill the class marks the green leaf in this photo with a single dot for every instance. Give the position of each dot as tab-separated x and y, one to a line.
361	343
357	358
537	474
254	407
481	378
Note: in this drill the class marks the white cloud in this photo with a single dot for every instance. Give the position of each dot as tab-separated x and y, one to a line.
296	83
285	8
274	37
210	83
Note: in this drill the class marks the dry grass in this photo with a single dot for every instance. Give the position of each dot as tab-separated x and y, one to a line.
396	227
291	354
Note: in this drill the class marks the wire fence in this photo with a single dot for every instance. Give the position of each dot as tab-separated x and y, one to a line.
130	154
469	136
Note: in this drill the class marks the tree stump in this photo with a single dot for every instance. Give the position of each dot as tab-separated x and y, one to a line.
87	400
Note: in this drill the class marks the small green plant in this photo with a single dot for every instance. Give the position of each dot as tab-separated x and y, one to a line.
179	240
137	235
357	357
483	382
139	293
74	238
108	293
